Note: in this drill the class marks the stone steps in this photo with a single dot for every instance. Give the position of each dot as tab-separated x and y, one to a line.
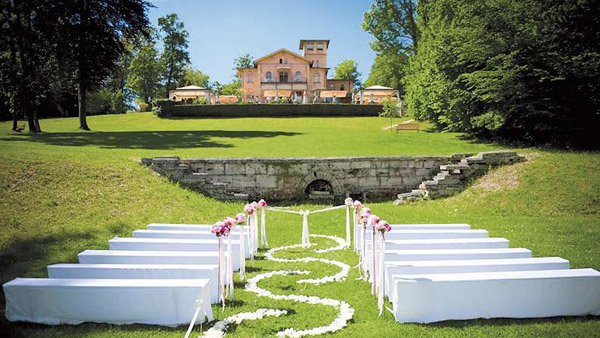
454	178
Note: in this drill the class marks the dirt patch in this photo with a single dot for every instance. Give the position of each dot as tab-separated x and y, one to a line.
505	178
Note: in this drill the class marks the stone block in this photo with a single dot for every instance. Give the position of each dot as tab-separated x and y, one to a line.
214	168
234	168
415	164
335	166
265	181
360	164
255	168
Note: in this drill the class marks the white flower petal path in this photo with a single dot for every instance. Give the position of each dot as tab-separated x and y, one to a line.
345	310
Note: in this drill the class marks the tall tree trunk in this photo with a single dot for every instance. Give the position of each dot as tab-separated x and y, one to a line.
15	125
81	106
36	122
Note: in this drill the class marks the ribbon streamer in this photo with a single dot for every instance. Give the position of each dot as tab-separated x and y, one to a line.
348	226
249	223
305	235
255	231
355	225
221	271
263	229
363	252
242	253
380	286
230	284
372	274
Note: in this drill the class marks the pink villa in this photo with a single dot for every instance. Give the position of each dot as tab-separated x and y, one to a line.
288	75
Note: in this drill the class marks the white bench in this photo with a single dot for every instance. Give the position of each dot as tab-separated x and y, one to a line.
187	234
454	254
152	257
198	227
168	302
433	226
170	244
397	234
515	294
139	271
449	243
466	266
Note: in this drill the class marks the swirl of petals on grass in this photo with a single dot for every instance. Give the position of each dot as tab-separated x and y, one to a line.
346	312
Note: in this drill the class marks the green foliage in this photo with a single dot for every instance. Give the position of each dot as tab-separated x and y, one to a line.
388	70
145	71
201	100
517	70
390	109
348	70
195	78
393	23
175	56
243	61
232	88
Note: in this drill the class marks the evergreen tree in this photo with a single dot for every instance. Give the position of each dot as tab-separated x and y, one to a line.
175	56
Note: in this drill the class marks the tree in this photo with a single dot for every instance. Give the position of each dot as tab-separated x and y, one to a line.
232	88
28	60
393	23
145	71
99	31
524	70
348	70
243	61
388	70
175	56
390	110
196	78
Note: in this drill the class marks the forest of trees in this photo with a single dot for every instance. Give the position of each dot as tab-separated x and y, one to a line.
76	57
513	70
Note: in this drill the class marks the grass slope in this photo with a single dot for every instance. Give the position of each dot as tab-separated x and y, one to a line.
66	191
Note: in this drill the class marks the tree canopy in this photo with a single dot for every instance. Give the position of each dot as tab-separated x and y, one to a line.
175	56
348	70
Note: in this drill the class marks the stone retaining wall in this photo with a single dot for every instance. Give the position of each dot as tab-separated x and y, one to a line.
375	178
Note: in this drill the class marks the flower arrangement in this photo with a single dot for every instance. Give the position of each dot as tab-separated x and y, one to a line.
357	205
220	229
250	208
348	202
262	204
383	226
364	215
240	218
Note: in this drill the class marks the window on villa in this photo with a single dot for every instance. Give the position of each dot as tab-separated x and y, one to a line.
298	77
320	46
283	77
250	80
342	87
309	47
268	76
317	78
280	60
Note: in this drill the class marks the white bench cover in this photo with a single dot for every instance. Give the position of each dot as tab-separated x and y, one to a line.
514	294
187	234
168	302
184	227
393	269
433	226
433	234
170	244
139	271
449	243
152	257
454	254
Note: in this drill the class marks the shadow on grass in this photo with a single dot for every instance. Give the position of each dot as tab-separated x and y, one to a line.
147	139
509	321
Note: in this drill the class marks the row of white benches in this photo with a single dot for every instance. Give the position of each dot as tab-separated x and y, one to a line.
443	272
160	276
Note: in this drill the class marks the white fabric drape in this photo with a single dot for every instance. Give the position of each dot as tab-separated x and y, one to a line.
355	222
380	270
305	234
230	284
263	229
255	231
242	258
348	226
221	272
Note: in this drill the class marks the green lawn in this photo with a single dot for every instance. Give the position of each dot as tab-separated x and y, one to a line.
65	191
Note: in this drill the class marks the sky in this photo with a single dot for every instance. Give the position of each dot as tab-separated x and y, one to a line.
221	30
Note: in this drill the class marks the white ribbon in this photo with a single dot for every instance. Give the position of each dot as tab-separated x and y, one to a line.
242	252
263	229
372	271
348	226
230	284
221	272
255	232
355	225
305	235
363	252
380	279
249	223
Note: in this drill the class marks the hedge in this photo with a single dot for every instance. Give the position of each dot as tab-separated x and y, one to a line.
171	109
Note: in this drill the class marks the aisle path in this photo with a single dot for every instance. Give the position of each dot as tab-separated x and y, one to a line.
345	311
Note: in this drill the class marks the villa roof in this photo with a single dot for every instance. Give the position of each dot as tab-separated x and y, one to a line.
378	88
190	88
282	50
302	42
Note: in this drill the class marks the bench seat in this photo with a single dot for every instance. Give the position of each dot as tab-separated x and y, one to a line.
467	266
170	244
510	294
139	271
168	302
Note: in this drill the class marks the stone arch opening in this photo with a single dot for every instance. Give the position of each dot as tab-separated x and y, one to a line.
319	188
